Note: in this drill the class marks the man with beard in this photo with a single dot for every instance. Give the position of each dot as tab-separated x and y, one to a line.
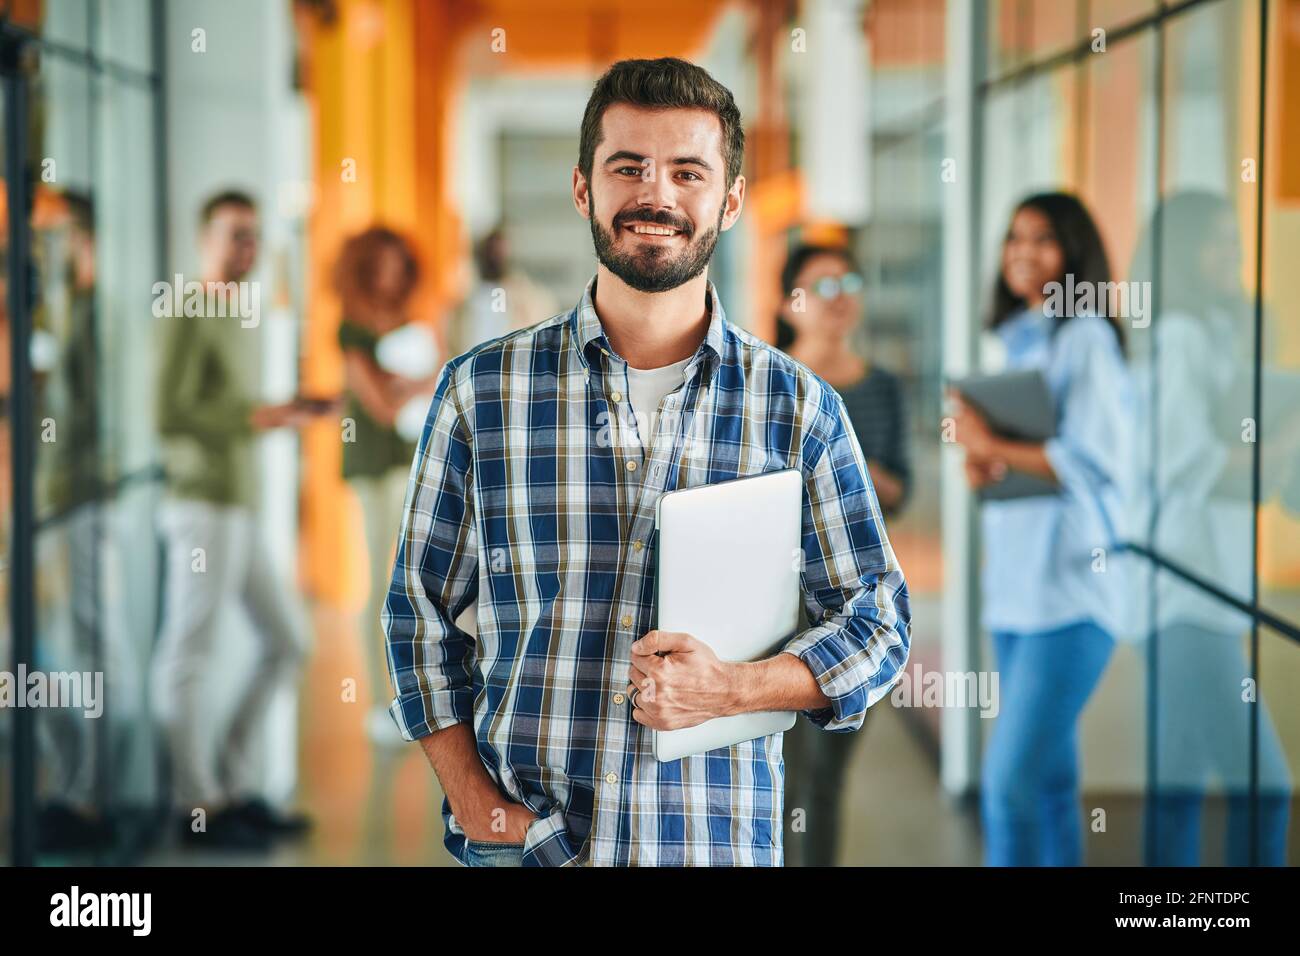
534	491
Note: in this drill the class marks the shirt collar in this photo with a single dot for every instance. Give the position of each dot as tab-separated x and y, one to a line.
590	340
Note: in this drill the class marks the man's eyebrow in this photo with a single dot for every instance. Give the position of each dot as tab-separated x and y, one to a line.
627	154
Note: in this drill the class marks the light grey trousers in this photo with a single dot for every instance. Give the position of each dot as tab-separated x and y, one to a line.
214	559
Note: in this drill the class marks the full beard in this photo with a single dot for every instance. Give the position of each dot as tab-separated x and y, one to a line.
655	269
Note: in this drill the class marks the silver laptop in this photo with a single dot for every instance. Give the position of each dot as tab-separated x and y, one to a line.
728	574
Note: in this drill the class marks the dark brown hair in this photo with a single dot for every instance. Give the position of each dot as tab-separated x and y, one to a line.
665	83
227	197
355	269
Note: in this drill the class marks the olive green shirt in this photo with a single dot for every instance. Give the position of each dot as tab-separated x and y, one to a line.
207	389
374	448
68	468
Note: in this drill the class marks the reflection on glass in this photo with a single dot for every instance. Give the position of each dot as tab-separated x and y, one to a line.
1279	675
69	519
1023	31
6	524
1198	399
1205	698
1107	14
1198	392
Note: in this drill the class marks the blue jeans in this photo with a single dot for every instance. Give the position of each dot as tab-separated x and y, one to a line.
1203	749
493	854
1029	797
1176	820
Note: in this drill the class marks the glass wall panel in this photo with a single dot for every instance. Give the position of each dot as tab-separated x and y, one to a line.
1021	32
91	258
1277	710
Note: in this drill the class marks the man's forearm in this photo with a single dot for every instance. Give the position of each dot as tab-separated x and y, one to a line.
783	682
453	753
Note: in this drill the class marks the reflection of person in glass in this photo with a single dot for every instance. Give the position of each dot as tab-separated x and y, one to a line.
70	530
821	310
1050	606
1200	496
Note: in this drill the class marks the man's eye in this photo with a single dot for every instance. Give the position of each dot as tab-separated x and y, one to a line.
691	174
634	170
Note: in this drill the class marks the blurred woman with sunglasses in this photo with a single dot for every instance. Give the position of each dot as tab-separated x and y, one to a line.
1050	601
820	313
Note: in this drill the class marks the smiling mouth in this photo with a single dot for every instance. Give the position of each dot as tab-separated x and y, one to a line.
651	229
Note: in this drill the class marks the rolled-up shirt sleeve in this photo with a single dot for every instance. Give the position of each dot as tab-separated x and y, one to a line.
435	576
853	586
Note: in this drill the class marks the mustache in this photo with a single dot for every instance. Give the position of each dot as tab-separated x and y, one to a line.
660	218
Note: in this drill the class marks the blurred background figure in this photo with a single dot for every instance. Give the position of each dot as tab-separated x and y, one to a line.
821	312
209	417
1198	396
502	300
375	276
1052	615
69	478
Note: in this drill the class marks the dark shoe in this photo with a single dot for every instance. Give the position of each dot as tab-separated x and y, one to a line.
61	828
226	830
260	815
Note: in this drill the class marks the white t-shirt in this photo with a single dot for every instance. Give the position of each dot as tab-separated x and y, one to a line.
647	387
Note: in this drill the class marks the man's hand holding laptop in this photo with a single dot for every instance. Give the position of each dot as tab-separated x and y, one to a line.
677	681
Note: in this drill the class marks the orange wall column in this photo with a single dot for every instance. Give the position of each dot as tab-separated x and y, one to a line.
380	82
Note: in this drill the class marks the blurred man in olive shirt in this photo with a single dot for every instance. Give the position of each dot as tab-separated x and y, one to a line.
209	416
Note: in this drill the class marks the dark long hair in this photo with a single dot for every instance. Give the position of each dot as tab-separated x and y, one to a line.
799	257
1081	247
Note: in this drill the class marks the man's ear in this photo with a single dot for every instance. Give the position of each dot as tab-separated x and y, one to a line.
734	202
581	194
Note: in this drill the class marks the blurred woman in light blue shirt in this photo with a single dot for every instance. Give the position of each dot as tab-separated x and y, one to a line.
1052	592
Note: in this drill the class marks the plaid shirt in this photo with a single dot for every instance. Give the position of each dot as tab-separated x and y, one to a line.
530	492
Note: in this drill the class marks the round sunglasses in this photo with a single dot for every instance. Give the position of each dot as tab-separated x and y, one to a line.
830	287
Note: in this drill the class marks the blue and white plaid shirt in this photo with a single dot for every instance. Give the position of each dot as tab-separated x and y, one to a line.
529	492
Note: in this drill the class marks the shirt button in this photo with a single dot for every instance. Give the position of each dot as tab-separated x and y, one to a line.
604	350
631	466
627	620
616	396
611	778
637	544
618	698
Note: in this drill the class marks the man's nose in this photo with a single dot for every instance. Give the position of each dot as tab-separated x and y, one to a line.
656	189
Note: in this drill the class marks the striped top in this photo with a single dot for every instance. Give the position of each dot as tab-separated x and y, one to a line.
875	406
528	493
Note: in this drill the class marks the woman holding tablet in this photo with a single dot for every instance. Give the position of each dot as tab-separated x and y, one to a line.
1050	605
